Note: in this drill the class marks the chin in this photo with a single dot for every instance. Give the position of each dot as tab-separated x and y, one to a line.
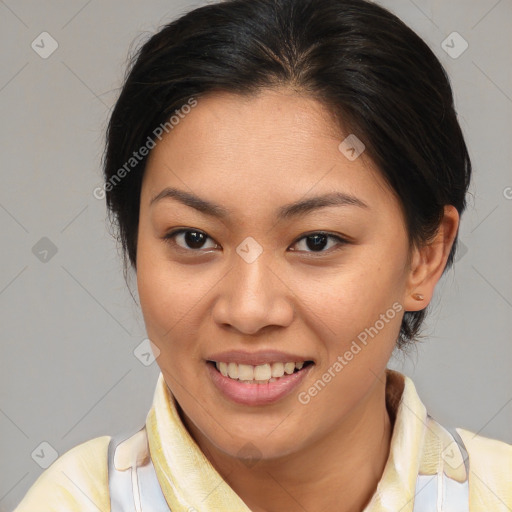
250	449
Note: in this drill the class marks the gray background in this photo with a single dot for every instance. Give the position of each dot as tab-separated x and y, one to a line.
69	325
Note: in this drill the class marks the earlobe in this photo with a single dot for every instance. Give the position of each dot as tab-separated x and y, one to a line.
428	262
415	298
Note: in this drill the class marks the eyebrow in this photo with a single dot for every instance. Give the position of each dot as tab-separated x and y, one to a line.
287	211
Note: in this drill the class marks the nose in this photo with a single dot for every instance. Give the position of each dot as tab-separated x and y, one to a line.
252	296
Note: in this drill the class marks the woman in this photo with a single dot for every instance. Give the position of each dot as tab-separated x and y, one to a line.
287	179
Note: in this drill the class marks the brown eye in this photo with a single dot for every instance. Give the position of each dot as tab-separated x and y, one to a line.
317	241
188	239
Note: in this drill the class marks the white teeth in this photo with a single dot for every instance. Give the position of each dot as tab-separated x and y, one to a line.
277	370
245	372
223	368
233	370
260	374
289	368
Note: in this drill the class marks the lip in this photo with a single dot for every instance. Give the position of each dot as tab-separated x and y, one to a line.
256	394
257	358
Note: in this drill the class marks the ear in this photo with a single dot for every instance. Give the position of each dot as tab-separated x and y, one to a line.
428	262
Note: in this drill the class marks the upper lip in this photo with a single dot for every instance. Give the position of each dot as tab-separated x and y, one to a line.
256	358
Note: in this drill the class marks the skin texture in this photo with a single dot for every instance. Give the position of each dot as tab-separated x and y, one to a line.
252	155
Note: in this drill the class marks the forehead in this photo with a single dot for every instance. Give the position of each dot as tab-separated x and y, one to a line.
270	122
276	142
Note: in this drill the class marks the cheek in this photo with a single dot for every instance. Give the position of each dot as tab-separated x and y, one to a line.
355	312
352	296
167	297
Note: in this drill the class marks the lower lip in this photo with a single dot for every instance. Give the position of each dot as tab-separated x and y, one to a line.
257	394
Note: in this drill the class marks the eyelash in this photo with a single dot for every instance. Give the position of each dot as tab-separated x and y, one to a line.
170	238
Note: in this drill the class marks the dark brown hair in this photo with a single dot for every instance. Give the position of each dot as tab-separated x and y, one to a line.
354	56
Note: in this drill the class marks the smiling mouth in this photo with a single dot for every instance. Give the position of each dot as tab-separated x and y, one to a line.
261	374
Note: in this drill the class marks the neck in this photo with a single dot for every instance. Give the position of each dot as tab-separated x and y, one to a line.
339	472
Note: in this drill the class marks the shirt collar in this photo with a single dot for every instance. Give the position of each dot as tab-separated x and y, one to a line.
188	479
396	488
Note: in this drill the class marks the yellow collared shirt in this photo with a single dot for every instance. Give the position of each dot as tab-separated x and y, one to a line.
78	480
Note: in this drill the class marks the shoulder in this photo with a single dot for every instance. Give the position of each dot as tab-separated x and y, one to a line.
76	481
490	472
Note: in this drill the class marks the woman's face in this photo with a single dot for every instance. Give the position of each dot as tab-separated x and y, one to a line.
251	278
